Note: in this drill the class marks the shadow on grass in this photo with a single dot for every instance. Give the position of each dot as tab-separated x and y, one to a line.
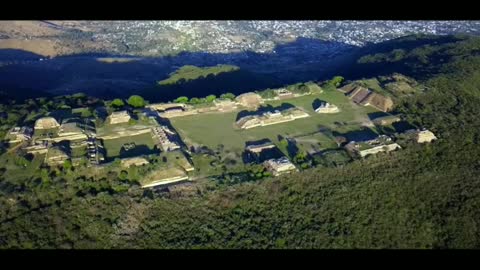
375	115
138	150
363	134
402	126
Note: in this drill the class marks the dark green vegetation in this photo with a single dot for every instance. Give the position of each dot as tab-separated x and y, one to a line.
187	73
136	101
425	196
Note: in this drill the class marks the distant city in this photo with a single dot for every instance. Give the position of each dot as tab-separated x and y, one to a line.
156	38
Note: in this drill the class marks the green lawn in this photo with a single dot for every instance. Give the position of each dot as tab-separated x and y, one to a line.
17	172
188	73
203	165
214	129
79	151
315	142
144	145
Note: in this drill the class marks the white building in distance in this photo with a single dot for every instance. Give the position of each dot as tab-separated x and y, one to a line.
326	107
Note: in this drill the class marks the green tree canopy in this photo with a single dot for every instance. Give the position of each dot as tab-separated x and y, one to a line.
194	100
67	165
211	98
337	80
117	103
79	95
136	101
123	175
227	96
181	99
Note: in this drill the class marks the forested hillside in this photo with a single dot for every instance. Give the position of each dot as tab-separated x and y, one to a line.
424	196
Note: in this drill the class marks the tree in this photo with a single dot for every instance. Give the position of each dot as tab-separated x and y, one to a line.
300	157
136	101
86	113
79	96
194	100
67	165
211	98
21	161
117	103
337	80
268	93
181	99
227	96
284	143
123	175
302	88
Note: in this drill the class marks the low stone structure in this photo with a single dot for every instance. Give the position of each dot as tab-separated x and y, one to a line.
283	93
176	112
55	156
46	123
379	148
118	117
249	100
271	118
166	180
19	134
40	147
359	94
366	97
382	143
326	107
279	166
67	129
164	176
386	120
161	135
425	136
225	105
257	148
70	132
170	110
248	122
166	106
383	103
135	161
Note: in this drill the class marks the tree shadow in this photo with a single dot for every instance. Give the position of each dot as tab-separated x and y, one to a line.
292	148
403	126
101	112
64	146
384	130
61	115
375	115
